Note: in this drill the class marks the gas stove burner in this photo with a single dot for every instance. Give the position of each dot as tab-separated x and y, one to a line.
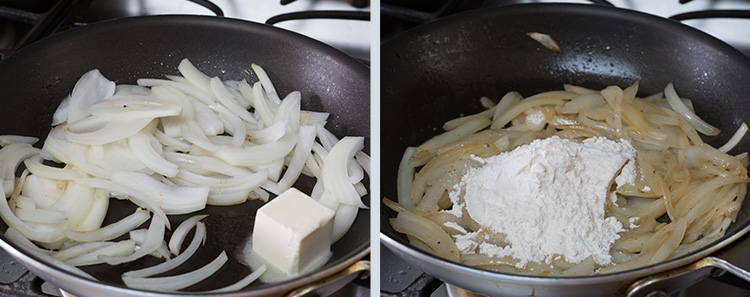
355	3
7	34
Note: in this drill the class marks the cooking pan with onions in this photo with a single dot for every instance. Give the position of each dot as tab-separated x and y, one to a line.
35	80
438	71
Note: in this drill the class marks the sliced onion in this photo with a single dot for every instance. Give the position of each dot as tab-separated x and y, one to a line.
80	249
259	154
289	111
122	191
227	99
44	216
254	96
177	282
154	239
134	106
268	134
37	168
20	239
334	173
301	152
96	130
96	214
171	199
11	156
234	123
193	75
736	137
6	140
142	146
678	106
208	120
198	237
179	234
267	85
327	139
61	113
364	161
171	142
91	88
244	282
113	230
115	249
345	215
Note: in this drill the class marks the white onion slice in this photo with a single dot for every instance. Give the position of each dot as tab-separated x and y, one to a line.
289	111
736	137
121	191
259	154
198	237
43	191
193	75
227	99
15	223
301	152
44	216
234	124
678	106
61	113
115	249
364	161
96	130
171	199
268	134
345	215
134	106
207	119
142	146
267	85
177	282
334	173
20	239
244	282
154	239
171	142
80	249
250	181
113	230
10	157
179	234
90	88
6	140
37	168
96	214
254	96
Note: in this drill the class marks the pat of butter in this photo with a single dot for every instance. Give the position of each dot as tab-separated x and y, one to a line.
293	231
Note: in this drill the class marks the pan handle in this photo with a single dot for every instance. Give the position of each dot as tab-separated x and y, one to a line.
333	283
673	281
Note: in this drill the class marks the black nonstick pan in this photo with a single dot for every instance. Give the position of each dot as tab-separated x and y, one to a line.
35	80
438	71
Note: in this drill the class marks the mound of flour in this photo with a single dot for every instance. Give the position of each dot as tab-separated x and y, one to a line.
548	198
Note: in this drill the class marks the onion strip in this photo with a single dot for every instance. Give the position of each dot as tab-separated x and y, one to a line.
177	282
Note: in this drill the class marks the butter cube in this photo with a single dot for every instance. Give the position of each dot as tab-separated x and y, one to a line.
293	231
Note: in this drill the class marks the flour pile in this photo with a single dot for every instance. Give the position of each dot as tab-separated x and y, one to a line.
548	198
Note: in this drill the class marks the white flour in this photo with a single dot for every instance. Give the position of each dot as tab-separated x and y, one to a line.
548	198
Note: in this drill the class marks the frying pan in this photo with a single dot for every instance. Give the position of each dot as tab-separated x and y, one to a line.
34	80
438	71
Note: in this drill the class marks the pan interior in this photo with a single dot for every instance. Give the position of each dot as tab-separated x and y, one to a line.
35	80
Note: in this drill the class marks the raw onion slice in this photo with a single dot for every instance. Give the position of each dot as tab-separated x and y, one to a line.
115	249
91	88
23	241
10	157
198	237
259	154
179	234
134	106
334	173
269	134
142	145
171	199
193	75
6	140
254	96
37	168
267	85
80	249
227	99
244	282
154	239
96	130
678	106
113	230
177	282
301	152
121	191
